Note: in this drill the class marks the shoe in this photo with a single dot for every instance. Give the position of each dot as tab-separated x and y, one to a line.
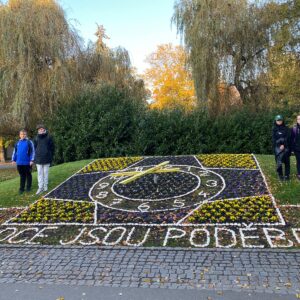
28	190
281	178
287	178
298	177
45	189
39	191
21	192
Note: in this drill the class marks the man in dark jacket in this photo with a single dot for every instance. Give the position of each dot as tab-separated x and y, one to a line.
295	137
23	156
281	139
44	151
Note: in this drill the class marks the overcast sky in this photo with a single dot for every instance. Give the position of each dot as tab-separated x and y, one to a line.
137	25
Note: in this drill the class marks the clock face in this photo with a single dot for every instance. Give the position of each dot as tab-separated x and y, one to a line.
186	187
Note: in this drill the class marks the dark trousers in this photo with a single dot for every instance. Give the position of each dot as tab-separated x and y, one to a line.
297	154
280	160
25	177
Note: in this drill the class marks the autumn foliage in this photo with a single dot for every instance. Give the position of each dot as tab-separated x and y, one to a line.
169	78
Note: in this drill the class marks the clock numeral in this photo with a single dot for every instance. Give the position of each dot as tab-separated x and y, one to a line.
211	183
203	194
102	186
116	178
203	173
102	195
116	201
179	203
144	207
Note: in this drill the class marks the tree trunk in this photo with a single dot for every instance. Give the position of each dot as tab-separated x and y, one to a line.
2	158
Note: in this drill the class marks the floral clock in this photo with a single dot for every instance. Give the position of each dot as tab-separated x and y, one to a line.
156	188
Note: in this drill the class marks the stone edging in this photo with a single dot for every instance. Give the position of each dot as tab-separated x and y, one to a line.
149	248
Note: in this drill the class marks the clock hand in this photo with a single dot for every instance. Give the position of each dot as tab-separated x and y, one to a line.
138	172
136	175
151	170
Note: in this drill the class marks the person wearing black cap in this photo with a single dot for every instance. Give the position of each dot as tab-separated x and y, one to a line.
281	147
44	151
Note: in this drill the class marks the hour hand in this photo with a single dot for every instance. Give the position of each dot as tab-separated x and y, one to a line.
120	174
136	174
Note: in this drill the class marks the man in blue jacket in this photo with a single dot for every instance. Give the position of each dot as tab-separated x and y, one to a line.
23	156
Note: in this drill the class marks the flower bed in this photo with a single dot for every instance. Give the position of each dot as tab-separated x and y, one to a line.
168	200
110	164
244	161
204	197
245	210
242	183
51	211
76	187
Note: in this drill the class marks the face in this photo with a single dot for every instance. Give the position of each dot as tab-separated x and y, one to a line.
298	119
41	130
23	135
279	122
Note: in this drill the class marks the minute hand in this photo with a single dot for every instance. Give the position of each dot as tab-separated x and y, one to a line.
134	177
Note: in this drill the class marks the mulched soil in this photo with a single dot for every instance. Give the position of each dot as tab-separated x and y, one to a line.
6	214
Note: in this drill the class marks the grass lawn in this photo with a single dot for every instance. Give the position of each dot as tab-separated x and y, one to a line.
6	174
285	193
9	196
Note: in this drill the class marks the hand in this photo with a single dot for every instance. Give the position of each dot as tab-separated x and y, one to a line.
281	147
31	163
13	162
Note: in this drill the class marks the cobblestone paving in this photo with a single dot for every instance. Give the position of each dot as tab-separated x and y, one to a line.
236	270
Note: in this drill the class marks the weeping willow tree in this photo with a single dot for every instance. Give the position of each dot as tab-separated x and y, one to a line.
37	61
283	75
124	76
43	64
227	41
101	65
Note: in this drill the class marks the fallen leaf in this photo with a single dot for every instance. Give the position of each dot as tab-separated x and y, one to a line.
288	284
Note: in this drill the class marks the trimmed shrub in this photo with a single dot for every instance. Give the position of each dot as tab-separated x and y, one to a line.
108	123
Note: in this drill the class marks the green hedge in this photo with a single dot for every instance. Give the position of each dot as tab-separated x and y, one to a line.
105	123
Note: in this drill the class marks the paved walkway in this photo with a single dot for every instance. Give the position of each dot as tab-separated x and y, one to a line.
260	271
23	291
7	166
